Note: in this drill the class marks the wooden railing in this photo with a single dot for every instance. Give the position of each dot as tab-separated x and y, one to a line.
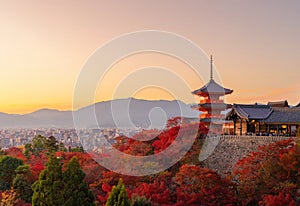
210	101
250	138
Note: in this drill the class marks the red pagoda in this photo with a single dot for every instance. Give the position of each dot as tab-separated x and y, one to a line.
211	103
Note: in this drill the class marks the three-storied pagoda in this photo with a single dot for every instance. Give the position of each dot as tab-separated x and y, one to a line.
211	103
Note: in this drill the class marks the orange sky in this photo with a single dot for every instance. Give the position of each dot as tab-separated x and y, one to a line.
44	45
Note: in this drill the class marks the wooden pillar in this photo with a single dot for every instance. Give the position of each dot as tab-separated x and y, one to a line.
277	129
234	127
241	125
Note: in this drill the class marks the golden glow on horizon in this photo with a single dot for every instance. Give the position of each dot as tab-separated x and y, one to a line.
44	44
149	69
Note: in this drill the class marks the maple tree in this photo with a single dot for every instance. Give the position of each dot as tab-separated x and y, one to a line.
272	169
133	147
280	199
11	198
158	192
202	186
16	153
269	176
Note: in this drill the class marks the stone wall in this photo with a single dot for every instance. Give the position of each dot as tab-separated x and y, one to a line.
225	151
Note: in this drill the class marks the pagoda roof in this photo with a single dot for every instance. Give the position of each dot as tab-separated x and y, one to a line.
215	105
213	120
212	88
251	111
298	105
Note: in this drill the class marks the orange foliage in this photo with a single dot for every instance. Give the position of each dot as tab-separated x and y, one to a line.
201	186
15	152
277	200
272	169
157	191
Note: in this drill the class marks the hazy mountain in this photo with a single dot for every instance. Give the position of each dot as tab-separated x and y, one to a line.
122	113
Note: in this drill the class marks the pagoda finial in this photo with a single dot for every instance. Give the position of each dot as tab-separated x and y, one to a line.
211	67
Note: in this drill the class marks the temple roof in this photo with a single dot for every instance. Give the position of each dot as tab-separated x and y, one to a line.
251	111
284	115
212	88
283	103
298	105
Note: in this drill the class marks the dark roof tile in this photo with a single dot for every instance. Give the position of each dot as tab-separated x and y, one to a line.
279	104
212	87
252	111
284	115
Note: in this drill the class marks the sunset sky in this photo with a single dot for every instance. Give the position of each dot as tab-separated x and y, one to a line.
44	45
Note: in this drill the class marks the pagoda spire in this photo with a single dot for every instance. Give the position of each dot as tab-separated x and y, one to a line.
211	67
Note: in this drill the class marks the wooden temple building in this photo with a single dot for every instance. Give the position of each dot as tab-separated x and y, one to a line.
275	118
211	103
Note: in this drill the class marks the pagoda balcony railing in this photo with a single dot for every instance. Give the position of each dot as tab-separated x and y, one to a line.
210	101
218	116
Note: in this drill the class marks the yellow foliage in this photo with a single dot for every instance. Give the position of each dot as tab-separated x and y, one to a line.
9	198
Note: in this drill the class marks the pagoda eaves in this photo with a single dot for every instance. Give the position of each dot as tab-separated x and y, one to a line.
212	88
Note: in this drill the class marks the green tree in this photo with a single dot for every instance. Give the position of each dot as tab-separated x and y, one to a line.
8	165
1	151
38	145
22	182
47	190
118	196
76	191
28	150
51	145
41	143
140	201
78	149
62	148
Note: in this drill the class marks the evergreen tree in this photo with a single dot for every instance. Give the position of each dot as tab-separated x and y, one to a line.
8	165
62	148
76	191
22	182
38	144
118	196
1	151
77	149
140	201
47	190
51	145
28	150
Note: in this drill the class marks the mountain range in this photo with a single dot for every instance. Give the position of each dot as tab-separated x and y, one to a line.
115	113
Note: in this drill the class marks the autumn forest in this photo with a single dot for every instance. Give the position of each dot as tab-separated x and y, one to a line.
44	172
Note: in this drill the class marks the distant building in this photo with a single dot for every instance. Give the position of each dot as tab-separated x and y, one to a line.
279	104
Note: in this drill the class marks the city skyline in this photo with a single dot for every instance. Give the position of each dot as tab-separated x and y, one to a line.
44	45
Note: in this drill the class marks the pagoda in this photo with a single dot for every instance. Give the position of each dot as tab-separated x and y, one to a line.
211	103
